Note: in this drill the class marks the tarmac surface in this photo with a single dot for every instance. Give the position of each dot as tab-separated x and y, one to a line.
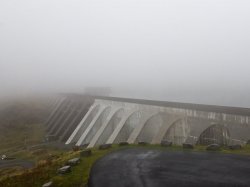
142	167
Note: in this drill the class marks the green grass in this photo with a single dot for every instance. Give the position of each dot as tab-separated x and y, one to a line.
43	173
46	169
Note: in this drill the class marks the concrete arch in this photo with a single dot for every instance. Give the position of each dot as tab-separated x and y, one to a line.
94	126
128	127
178	132
239	134
151	127
108	129
83	124
197	126
169	119
216	133
156	126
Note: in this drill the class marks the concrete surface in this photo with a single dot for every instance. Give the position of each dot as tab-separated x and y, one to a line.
152	123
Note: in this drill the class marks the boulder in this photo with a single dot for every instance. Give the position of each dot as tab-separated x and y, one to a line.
123	143
213	147
166	143
235	147
187	146
48	184
64	170
86	153
73	162
248	142
105	146
4	157
142	143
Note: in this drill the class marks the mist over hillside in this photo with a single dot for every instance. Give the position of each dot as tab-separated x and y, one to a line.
22	120
186	51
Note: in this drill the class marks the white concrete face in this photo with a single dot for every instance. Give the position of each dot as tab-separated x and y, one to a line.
72	124
89	125
84	124
107	128
151	128
169	121
94	126
138	122
119	127
178	132
128	127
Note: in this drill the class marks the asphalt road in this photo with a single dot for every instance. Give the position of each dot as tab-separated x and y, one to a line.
13	163
155	168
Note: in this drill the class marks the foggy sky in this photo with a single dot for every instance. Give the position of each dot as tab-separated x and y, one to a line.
177	50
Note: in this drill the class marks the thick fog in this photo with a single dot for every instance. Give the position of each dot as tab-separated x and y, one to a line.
177	50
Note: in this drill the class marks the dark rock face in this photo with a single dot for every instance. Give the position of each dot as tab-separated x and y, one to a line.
64	170
187	146
235	147
166	143
105	146
213	147
85	153
74	161
142	143
48	184
123	143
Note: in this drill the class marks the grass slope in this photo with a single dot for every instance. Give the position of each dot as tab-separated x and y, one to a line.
46	169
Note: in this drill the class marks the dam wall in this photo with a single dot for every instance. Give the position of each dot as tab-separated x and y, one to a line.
114	120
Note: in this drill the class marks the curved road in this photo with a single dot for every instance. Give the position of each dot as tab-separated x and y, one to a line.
158	168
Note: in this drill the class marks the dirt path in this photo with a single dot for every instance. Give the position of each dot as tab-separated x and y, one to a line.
13	163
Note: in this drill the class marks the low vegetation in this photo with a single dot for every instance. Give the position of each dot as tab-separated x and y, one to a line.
21	124
46	169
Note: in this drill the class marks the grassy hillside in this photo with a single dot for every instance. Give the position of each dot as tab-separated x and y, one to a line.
21	123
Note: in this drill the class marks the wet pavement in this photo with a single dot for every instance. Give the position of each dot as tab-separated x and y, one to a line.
142	167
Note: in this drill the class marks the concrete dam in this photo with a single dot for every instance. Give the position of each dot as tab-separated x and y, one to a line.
94	120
